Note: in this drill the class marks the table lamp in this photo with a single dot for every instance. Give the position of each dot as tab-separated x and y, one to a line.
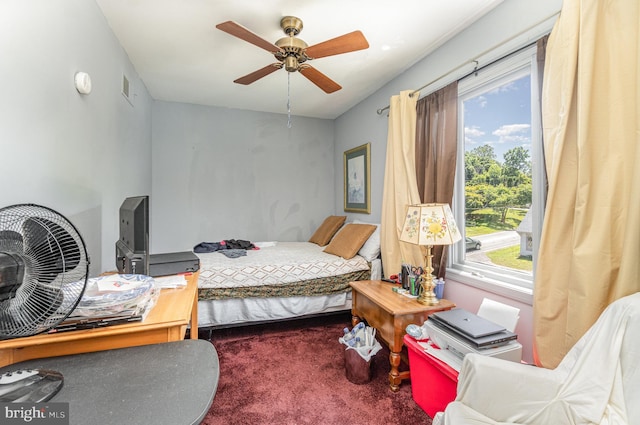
427	225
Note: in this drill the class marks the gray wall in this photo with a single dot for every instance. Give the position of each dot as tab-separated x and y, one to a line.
510	25
78	154
212	173
231	174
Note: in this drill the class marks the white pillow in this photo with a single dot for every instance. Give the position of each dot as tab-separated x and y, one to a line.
371	248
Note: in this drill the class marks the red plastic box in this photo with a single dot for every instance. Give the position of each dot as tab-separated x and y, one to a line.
433	382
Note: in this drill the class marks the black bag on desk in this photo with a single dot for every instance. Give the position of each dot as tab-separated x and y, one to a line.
405	272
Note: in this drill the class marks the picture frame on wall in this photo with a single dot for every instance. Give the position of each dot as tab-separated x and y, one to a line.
357	179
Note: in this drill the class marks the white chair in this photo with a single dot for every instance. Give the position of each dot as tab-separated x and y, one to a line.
597	382
502	314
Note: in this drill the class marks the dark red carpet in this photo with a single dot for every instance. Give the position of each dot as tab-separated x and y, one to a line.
293	373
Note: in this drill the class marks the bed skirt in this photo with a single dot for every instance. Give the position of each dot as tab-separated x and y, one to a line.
313	287
243	311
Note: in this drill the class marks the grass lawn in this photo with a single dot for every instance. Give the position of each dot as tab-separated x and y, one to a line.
510	257
487	220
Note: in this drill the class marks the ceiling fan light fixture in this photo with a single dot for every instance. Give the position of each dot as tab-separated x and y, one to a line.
291	64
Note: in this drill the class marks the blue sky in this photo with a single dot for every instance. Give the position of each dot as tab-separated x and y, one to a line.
500	117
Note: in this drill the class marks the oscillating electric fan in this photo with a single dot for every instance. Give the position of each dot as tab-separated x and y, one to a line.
43	274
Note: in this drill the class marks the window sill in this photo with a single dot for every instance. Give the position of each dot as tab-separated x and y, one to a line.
507	290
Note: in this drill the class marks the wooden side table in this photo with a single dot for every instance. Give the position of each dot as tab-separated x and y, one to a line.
390	313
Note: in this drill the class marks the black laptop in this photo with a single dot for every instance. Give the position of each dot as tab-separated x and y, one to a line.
475	330
468	323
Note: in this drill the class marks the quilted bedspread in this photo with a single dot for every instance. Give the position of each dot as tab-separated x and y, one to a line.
285	269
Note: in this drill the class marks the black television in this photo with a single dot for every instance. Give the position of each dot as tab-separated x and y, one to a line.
132	247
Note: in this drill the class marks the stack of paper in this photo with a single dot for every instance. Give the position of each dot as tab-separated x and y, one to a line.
172	281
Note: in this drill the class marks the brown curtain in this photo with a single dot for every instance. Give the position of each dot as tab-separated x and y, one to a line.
436	152
589	252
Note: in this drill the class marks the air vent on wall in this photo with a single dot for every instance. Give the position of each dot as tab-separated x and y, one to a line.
125	88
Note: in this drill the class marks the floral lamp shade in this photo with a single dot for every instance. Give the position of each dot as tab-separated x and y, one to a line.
430	224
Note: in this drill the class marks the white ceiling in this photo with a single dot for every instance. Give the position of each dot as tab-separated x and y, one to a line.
182	57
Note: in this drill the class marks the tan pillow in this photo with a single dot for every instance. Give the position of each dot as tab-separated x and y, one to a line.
349	240
327	229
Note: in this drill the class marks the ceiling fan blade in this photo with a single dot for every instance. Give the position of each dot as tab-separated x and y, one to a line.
344	44
243	33
256	75
319	79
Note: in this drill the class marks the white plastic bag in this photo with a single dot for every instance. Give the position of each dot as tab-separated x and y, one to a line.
367	352
362	339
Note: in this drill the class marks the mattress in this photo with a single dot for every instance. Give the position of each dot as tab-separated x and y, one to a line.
278	281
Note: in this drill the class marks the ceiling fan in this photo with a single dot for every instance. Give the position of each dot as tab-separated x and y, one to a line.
292	53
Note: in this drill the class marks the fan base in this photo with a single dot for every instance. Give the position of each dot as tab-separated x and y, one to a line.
29	385
291	25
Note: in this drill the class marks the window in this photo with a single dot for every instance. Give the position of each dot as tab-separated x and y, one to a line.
499	195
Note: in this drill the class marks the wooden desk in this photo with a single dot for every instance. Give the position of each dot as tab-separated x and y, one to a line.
390	313
167	321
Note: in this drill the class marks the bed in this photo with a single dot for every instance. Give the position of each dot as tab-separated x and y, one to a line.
284	280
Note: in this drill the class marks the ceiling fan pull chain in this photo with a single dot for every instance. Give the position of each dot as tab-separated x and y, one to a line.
288	100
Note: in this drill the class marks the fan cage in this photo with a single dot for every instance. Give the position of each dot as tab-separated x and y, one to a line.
56	267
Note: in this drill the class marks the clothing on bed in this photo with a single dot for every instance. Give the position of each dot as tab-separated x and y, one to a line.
233	253
223	245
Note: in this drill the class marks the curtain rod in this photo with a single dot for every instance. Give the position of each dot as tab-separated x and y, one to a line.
381	110
476	69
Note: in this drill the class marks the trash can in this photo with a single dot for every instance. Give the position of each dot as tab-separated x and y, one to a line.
361	346
357	369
